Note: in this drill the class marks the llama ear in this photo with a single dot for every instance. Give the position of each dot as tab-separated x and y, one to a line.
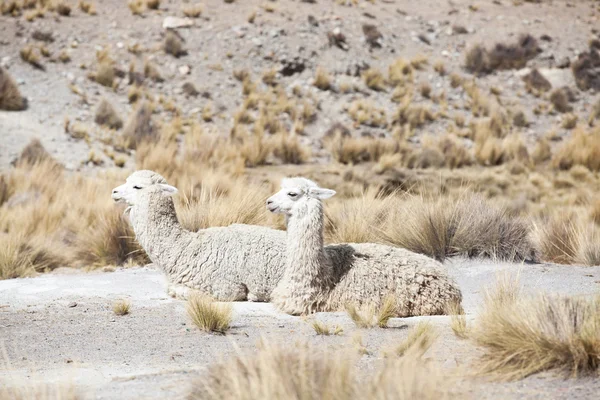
168	189
321	193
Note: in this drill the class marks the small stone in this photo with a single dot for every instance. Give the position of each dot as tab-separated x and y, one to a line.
72	304
445	53
68	361
185	70
120	45
176	22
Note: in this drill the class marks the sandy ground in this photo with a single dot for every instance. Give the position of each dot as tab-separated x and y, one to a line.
60	328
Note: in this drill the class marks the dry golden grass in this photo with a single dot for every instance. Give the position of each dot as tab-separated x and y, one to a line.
14	263
355	220
458	321
136	7
369	317
323	329
63	9
419	340
568	239
208	315
87	7
289	150
213	204
524	335
278	373
121	307
10	96
468	225
374	79
26	390
323	79
364	112
569	121
582	148
30	55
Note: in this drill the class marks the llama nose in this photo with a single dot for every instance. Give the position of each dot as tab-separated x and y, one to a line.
269	202
114	191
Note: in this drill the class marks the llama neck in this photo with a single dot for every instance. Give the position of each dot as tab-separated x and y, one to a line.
306	259
157	230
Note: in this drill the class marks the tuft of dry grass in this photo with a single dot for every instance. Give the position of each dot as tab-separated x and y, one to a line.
479	60
582	148
30	55
151	71
374	79
173	44
193	10
369	317
136	7
87	7
525	335
323	79
14	263
323	329
569	121
468	225
107	116
63	9
21	389
33	154
458	321
278	373
10	95
208	315
289	150
121	307
419	340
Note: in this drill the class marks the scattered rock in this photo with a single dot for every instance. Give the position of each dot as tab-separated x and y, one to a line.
71	305
177	22
185	69
459	30
313	21
357	68
337	129
546	38
424	39
337	38
292	66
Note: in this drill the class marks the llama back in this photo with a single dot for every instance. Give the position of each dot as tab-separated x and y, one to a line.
235	259
367	273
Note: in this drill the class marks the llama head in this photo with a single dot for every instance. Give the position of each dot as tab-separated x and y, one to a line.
141	182
295	195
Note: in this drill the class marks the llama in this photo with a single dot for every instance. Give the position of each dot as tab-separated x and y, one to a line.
326	278
234	263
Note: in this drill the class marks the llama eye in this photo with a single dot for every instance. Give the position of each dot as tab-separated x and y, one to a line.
137	187
292	195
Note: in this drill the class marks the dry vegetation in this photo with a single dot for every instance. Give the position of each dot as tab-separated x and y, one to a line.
523	334
208	315
369	317
121	307
304	372
10	96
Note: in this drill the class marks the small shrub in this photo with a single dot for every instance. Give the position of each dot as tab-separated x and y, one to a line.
374	79
30	55
458	321
107	116
10	96
369	317
289	149
419	340
121	307
173	45
525	335
153	4
322	79
208	315
193	10
323	329
560	100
